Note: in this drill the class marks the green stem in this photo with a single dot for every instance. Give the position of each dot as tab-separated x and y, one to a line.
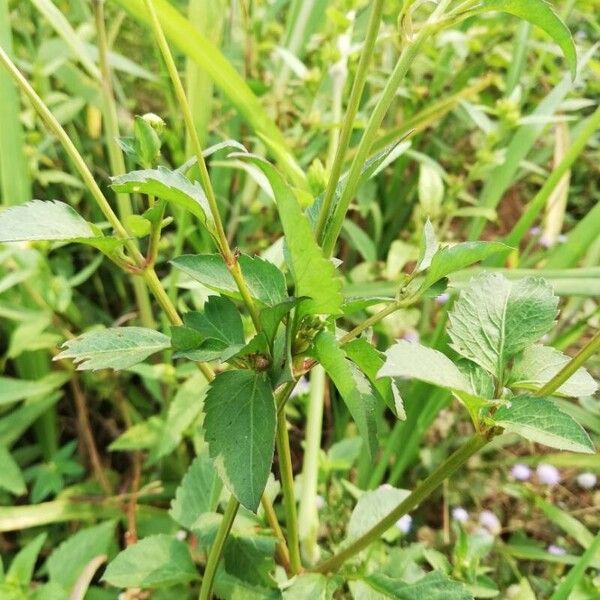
287	484
358	87
569	369
422	491
216	550
281	549
223	244
308	519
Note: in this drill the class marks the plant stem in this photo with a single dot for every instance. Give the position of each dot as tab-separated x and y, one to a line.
569	369
281	549
422	491
308	519
287	484
216	550
358	87
223	244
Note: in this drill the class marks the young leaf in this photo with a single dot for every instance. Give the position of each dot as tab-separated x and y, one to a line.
541	14
51	221
220	321
168	185
250	559
537	365
198	493
494	319
539	420
11	478
314	276
311	585
21	568
239	428
115	348
429	247
433	586
265	281
77	551
156	561
356	390
271	316
405	359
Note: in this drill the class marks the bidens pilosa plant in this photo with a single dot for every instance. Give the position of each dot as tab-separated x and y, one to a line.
271	321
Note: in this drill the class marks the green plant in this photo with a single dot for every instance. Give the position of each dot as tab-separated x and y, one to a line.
254	340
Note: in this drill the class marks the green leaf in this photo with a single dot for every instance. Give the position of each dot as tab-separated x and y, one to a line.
450	259
115	348
240	431
541	14
22	565
168	185
411	360
265	281
356	390
311	585
141	436
77	551
155	561
537	365
494	319
16	422
250	559
434	586
11	478
429	246
370	360
372	507
539	420
219	321
198	493
13	390
51	221
271	317
314	276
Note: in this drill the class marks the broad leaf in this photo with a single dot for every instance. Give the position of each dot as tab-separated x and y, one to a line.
541	14
537	365
13	390
314	276
155	561
168	185
265	281
405	359
540	420
198	493
115	348
11	478
77	551
450	259
239	428
51	221
220	321
434	586
311	585
250	558
372	507
494	319
356	390
271	317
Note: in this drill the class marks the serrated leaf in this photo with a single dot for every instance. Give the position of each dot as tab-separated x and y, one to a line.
156	561
450	259
51	221
168	185
77	551
538	419
537	365
355	389
314	276
198	492
115	348
250	559
220	321
239	428
271	317
494	319
541	14
411	360
265	281
11	478
373	506
370	360
434	586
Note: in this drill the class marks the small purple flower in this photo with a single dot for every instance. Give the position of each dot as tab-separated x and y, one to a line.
459	514
587	481
442	298
548	474
412	336
535	231
556	550
521	472
404	524
490	521
545	242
